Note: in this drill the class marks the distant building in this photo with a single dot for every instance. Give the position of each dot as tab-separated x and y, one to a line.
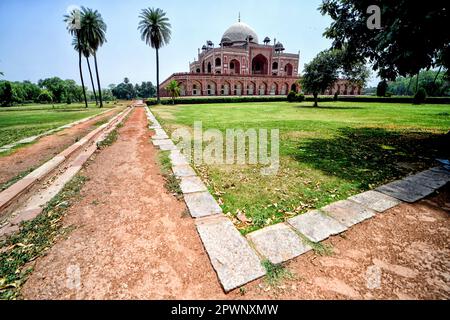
241	66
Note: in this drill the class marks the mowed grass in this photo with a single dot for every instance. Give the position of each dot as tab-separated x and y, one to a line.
326	154
21	122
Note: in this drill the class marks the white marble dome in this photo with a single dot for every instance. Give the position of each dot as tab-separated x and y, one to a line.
238	33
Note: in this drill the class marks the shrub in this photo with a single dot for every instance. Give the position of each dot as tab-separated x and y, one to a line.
299	97
292	96
382	88
420	96
45	97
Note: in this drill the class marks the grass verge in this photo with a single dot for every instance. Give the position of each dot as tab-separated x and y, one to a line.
34	239
172	183
275	273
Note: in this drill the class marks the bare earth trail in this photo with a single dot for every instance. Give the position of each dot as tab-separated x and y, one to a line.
46	147
132	238
134	241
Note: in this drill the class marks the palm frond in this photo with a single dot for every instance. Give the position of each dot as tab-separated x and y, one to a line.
154	27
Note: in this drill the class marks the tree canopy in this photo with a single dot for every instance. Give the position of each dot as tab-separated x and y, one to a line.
127	91
411	38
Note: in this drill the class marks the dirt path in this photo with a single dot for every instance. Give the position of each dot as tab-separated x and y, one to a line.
132	239
45	148
401	254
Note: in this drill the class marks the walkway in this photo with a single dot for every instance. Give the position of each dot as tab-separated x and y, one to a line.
132	240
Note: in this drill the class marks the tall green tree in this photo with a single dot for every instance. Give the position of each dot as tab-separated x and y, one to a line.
86	51
93	34
155	30
321	73
411	37
73	25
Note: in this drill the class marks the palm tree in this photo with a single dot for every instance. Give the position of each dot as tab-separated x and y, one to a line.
93	30
86	53
155	31
174	89
72	25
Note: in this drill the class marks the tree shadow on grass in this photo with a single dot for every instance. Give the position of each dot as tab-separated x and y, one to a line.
373	156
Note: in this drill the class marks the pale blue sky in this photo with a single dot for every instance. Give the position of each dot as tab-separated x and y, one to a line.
34	43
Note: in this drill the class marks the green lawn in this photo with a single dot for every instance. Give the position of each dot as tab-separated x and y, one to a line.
20	122
326	153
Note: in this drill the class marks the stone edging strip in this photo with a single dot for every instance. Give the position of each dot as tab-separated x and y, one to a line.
46	133
8	195
237	259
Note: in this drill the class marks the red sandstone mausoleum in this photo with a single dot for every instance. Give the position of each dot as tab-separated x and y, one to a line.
242	66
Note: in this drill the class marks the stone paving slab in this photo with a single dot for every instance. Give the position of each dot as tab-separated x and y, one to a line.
348	212
202	204
192	184
162	142
405	190
183	171
278	243
167	147
160	137
375	200
432	178
316	225
177	158
159	132
442	171
232	258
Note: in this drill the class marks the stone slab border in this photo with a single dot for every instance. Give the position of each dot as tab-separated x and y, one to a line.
10	194
46	133
237	259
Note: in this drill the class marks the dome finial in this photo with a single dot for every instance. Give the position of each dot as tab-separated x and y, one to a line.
239	18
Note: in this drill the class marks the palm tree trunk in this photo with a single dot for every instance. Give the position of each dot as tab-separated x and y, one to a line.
92	80
81	71
158	100
98	81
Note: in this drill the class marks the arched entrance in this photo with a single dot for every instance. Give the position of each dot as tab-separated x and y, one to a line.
225	89
209	67
238	89
211	88
294	87
288	69
235	67
251	88
262	89
259	65
196	88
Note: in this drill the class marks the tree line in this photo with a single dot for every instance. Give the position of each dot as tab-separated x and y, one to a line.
127	91
50	90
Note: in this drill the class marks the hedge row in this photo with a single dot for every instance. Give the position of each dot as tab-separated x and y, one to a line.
396	99
220	100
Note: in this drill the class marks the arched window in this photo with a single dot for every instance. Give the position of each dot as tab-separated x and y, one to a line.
209	67
275	66
218	62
